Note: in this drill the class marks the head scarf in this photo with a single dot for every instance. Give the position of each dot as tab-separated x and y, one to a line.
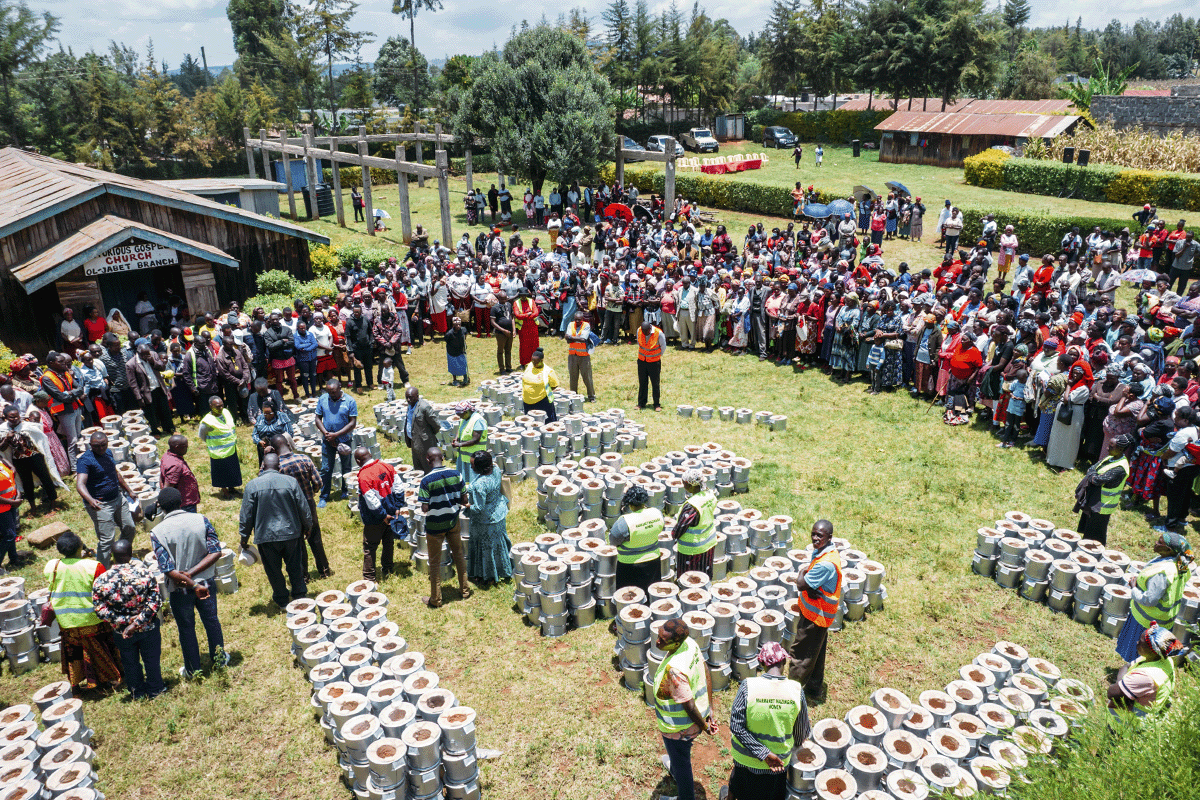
1179	548
17	365
1161	640
464	408
1164	405
770	654
694	477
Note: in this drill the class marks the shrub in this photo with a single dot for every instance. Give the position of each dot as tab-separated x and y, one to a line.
348	253
276	281
1038	233
352	176
832	126
732	194
7	356
307	291
324	261
986	169
1167	189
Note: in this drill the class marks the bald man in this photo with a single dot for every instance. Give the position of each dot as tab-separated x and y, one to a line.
420	427
175	471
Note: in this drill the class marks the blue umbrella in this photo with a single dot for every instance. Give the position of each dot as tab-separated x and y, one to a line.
897	186
840	208
816	211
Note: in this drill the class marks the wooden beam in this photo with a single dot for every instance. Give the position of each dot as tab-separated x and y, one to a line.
402	186
266	157
437	136
420	156
336	172
388	138
287	176
310	173
470	175
648	155
366	179
443	166
249	152
356	160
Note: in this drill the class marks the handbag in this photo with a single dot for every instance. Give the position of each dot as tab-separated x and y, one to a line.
47	614
1065	413
893	344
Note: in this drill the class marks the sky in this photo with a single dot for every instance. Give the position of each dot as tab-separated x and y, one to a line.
176	27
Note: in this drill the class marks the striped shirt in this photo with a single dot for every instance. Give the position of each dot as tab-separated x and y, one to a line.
441	490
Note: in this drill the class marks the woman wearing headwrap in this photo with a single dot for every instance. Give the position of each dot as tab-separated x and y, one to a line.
1181	464
1157	591
1062	449
768	719
1052	387
737	311
1105	394
866	335
1157	425
23	376
789	313
1122	415
488	561
1145	685
844	339
635	535
469	439
884	359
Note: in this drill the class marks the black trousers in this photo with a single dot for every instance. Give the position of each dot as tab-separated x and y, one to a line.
233	401
808	655
373	536
746	785
367	357
1179	492
27	468
648	372
289	555
158	413
1094	526
640	575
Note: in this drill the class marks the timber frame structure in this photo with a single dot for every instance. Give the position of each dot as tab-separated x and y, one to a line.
667	157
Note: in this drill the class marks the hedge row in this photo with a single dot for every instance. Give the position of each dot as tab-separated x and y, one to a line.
822	126
727	193
297	290
1103	183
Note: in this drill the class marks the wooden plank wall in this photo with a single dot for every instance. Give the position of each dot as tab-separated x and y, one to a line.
28	322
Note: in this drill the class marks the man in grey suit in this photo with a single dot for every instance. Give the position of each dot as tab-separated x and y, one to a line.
420	428
758	318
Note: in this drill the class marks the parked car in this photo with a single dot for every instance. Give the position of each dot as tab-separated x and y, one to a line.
699	139
630	144
778	136
655	144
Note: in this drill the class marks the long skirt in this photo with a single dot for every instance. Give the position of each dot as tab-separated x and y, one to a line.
89	656
568	314
841	356
924	377
544	404
739	336
890	225
405	331
457	365
640	575
917	228
529	340
827	338
226	472
440	323
59	453
943	377
668	326
864	355
806	338
487	552
1045	424
704	327
1062	449
1146	479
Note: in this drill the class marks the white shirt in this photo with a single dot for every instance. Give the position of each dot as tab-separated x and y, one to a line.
70	330
324	339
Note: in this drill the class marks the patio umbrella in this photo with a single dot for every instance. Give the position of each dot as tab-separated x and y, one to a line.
379	213
839	208
618	210
641	212
898	187
816	211
860	190
1139	275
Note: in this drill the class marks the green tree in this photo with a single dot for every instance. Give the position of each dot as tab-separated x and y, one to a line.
1014	15
784	41
191	76
454	79
620	66
1031	75
968	44
24	36
358	88
228	107
326	25
254	23
409	8
394	68
542	85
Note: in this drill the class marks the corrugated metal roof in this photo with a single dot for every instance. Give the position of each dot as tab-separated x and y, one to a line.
95	238
1029	126
885	104
964	105
212	185
34	187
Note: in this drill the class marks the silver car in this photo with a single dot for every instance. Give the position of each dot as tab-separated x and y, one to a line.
656	144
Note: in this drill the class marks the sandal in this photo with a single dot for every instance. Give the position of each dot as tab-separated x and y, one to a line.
466	594
431	604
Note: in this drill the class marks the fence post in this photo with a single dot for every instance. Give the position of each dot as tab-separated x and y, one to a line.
366	180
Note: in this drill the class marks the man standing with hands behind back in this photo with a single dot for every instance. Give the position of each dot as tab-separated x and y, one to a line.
820	596
420	428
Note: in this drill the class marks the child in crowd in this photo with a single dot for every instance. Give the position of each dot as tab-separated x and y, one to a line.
1016	408
387	377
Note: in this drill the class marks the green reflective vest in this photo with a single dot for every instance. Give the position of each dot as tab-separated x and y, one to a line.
466	431
1163	612
689	661
222	438
772	706
701	537
642	544
1110	497
71	591
1162	672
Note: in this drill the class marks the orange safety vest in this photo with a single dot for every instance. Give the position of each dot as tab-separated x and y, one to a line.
576	348
8	488
64	383
824	608
646	351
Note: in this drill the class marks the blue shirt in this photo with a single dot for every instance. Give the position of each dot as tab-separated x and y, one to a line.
336	414
823	575
101	474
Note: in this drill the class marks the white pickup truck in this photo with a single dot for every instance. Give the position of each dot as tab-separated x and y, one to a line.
699	139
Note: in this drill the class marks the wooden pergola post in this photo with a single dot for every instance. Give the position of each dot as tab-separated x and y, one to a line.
336	171
669	178
470	177
620	162
249	152
266	157
287	174
402	185
310	174
443	166
420	154
366	180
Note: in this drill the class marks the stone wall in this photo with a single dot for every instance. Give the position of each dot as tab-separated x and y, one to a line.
1161	115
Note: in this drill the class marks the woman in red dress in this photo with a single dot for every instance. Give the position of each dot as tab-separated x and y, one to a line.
525	313
94	324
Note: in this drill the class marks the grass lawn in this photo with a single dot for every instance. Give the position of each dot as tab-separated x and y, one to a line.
899	484
841	172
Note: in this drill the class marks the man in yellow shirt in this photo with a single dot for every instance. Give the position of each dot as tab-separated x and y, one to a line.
538	383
